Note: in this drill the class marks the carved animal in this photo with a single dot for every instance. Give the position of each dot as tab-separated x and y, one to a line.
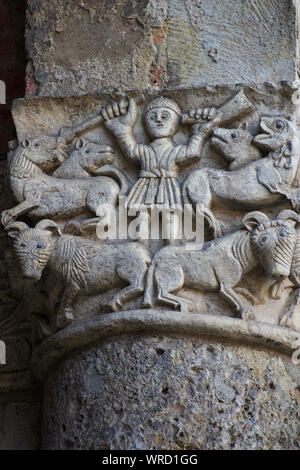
41	195
259	184
220	264
83	266
86	158
235	145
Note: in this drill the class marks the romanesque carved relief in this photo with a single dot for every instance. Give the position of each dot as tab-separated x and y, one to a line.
230	162
84	266
219	265
42	195
267	179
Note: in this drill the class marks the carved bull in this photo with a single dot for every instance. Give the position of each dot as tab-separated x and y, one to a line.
220	264
83	266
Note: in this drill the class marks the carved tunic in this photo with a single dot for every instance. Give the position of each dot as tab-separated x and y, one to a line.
157	185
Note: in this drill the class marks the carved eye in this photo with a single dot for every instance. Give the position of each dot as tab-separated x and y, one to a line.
37	144
23	244
282	233
152	117
279	124
164	116
234	134
40	245
263	239
88	150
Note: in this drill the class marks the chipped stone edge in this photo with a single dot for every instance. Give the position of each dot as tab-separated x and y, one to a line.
96	328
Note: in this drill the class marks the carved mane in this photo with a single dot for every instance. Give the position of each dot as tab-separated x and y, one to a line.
20	166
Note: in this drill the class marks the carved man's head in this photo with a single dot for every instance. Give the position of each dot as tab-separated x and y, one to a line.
33	246
273	240
162	117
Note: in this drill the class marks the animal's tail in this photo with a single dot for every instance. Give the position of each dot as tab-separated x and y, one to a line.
116	174
149	284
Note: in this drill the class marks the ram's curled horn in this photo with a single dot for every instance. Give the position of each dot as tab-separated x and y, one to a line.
16	226
288	215
48	224
252	219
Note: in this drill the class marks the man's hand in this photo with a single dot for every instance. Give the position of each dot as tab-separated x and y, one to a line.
207	127
202	114
125	111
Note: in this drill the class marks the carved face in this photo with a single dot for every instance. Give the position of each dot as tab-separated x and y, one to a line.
231	142
276	132
32	248
274	244
161	122
45	151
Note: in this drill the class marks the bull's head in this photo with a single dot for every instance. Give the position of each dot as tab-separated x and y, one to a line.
273	240
33	246
47	152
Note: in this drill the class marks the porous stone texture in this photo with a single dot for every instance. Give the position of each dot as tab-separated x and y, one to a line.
84	46
141	392
20	420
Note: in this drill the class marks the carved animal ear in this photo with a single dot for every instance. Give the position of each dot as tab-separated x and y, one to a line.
25	143
253	219
289	216
243	125
49	225
14	228
79	144
12	144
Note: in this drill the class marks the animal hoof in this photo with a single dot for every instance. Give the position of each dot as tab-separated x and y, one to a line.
73	228
186	306
6	218
64	319
115	305
246	314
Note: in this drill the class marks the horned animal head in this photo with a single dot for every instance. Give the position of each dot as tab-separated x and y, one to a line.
273	240
33	246
47	152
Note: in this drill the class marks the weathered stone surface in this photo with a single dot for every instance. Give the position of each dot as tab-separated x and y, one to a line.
20	420
215	126
163	392
76	45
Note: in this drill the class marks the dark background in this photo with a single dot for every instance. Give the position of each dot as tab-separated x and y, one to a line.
12	63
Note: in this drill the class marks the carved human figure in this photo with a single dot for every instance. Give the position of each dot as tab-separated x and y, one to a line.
157	186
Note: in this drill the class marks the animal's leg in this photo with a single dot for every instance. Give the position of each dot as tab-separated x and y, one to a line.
134	273
81	227
167	281
213	223
228	294
65	311
12	214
